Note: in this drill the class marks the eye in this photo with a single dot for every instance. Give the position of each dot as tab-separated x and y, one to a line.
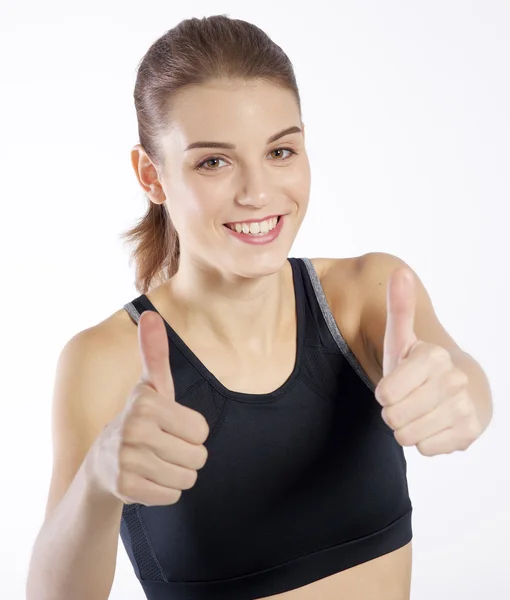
215	159
209	160
285	150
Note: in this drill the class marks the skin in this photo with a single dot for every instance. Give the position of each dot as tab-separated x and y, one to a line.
247	325
245	285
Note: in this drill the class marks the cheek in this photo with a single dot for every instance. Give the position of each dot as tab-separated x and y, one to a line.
195	215
196	201
206	205
299	183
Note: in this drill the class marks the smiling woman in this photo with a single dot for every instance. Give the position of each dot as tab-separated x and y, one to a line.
251	460
262	172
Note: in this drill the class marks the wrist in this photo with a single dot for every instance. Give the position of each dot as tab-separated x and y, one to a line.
96	490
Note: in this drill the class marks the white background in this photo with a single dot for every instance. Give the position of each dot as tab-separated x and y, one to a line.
406	106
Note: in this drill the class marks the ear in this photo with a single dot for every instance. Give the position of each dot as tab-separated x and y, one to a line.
147	174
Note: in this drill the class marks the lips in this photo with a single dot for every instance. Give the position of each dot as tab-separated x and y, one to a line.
260	238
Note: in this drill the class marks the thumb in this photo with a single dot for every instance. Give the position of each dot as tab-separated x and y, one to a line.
399	336
155	354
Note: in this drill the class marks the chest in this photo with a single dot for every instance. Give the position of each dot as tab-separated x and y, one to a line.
251	370
262	373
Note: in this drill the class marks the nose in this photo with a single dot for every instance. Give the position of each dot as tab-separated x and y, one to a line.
255	189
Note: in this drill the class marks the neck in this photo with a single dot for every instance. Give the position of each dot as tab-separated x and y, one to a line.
237	312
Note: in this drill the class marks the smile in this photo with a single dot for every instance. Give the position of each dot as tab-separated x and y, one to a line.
256	232
254	227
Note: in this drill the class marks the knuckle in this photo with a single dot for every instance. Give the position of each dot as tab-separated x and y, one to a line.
194	422
465	442
461	378
188	479
425	450
200	457
440	358
456	380
174	496
473	430
201	428
403	438
468	433
135	430
145	407
205	428
440	354
126	462
462	407
394	419
205	456
383	392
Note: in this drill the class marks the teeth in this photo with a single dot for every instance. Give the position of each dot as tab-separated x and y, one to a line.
260	228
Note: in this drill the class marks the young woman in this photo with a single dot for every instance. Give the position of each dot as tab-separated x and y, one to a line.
240	423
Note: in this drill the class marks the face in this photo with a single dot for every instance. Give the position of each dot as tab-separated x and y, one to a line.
236	209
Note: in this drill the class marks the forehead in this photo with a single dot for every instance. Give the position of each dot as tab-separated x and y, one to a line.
230	111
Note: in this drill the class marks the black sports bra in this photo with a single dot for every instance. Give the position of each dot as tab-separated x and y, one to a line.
300	483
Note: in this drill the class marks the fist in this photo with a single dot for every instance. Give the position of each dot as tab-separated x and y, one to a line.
153	449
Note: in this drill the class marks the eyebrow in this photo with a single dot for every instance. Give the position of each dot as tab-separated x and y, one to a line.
228	146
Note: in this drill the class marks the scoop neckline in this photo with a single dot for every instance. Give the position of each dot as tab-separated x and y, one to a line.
216	383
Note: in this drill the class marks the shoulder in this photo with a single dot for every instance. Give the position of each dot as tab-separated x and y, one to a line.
107	356
120	333
339	278
355	288
360	270
342	285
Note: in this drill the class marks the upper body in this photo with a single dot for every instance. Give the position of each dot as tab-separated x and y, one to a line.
218	152
346	286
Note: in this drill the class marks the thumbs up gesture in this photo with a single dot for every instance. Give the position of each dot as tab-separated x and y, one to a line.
424	395
152	450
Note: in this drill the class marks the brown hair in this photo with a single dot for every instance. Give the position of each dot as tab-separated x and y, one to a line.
193	52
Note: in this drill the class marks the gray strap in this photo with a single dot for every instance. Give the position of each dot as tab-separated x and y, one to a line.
332	326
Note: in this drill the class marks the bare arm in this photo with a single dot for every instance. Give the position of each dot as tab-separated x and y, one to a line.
74	555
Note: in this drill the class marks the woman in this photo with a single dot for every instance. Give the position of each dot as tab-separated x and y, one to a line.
259	454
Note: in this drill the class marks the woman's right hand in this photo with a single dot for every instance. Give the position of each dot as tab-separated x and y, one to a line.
152	450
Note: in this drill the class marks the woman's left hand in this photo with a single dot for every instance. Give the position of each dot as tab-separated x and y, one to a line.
424	395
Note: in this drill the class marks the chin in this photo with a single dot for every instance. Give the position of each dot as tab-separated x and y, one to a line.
261	265
251	261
